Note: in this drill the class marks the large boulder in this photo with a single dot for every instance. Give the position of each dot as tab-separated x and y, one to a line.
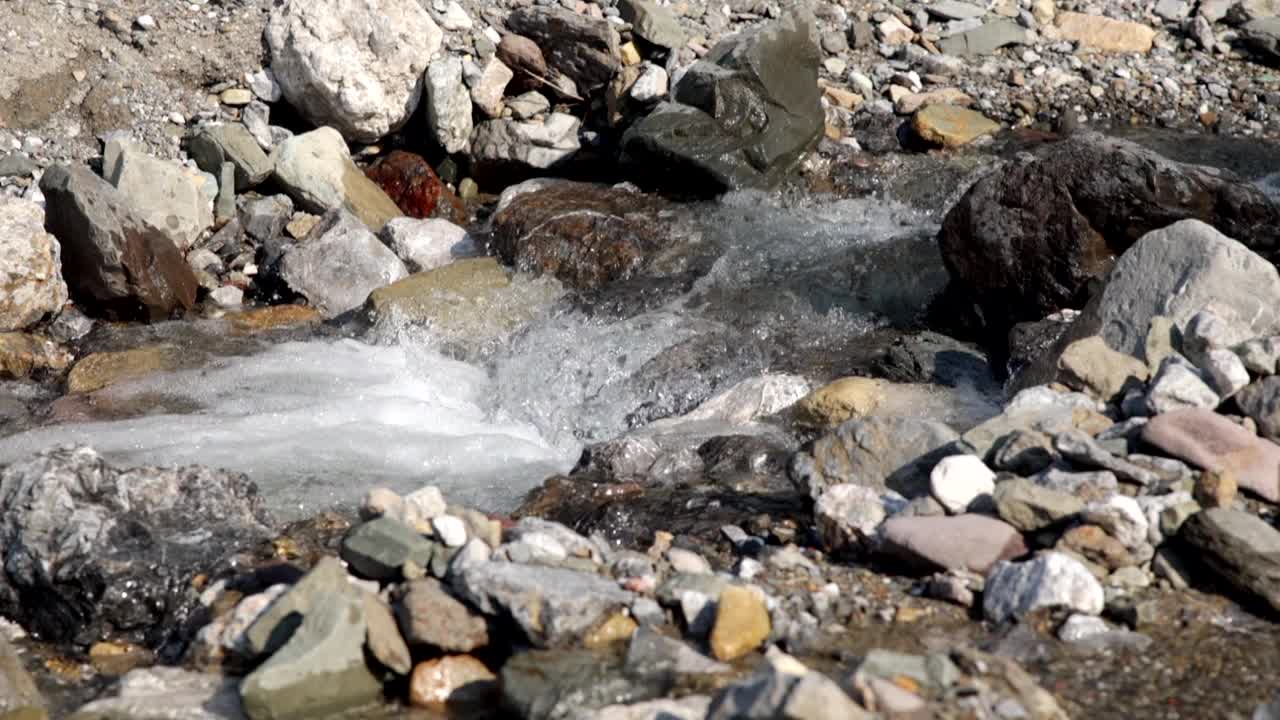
743	116
586	235
1027	239
91	551
583	48
116	264
356	65
338	264
31	285
316	170
176	199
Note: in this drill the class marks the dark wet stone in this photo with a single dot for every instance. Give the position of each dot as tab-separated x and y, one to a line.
1028	239
264	218
743	116
584	49
92	222
379	548
92	551
416	189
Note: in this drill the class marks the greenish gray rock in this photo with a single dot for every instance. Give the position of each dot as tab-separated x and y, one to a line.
552	606
276	624
652	23
316	170
213	145
893	453
320	671
1031	507
743	116
1238	547
20	699
934	671
652	652
377	549
175	199
167	693
985	39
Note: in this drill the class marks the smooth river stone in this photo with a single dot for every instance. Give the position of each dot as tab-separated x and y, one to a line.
963	542
1212	442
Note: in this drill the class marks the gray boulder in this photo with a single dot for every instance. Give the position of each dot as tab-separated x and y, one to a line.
174	198
1238	547
116	264
881	453
743	116
92	551
315	168
448	105
338	264
583	48
652	22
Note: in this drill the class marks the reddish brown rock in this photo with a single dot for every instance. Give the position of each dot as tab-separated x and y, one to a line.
586	235
452	680
416	189
525	59
962	542
1212	442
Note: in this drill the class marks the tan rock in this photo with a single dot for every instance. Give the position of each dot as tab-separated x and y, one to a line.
271	318
453	679
839	401
100	370
1216	488
1091	366
742	623
844	98
1160	342
908	104
951	126
22	354
894	32
1105	34
630	55
618	628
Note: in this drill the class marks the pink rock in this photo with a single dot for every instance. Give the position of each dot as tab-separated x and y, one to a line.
961	542
1212	442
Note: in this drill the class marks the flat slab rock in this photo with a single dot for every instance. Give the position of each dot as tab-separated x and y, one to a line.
962	542
1238	547
1212	442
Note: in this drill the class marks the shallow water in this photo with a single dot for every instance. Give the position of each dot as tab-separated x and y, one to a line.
317	422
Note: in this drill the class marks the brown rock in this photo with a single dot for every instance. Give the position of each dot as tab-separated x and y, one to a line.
429	615
908	104
951	126
451	680
1212	442
100	370
23	355
963	542
525	59
271	318
1095	545
585	235
1215	488
416	189
742	623
1105	34
116	264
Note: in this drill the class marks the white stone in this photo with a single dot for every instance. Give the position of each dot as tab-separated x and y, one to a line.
31	284
689	562
427	244
651	85
356	65
532	143
448	105
243	616
1122	517
699	612
1225	372
1082	627
146	22
1176	386
748	401
455	18
425	504
847	512
957	480
227	296
893	32
264	86
1052	579
488	89
450	529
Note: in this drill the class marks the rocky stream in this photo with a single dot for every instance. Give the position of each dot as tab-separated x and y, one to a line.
639	359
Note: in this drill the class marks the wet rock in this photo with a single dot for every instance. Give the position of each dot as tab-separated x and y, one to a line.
20	698
355	66
741	625
320	670
743	116
136	538
951	126
585	235
1030	507
23	355
550	684
692	707
784	689
168	693
583	48
750	400
1026	240
839	401
529	144
315	168
338	264
957	481
1104	33
175	199
415	188
877	452
1050	580
104	369
1090	366
116	263
448	105
1212	442
430	615
551	606
31	284
379	548
213	145
963	542
1239	548
452	680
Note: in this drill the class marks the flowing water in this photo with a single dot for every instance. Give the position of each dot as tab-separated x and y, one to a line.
773	285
